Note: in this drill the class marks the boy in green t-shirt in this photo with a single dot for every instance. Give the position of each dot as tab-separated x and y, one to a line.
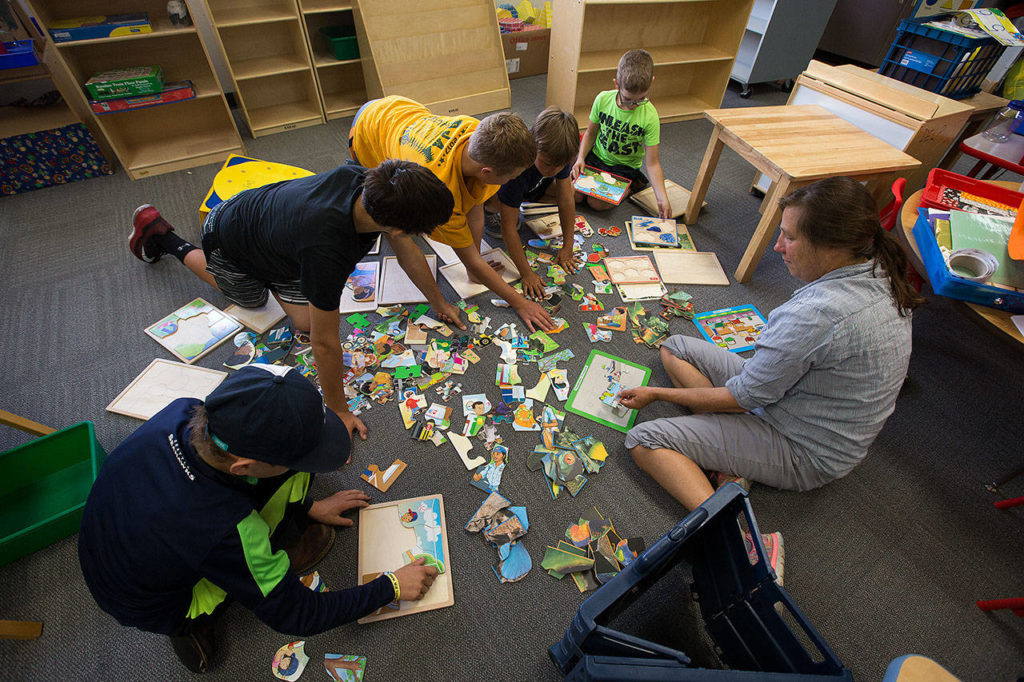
624	131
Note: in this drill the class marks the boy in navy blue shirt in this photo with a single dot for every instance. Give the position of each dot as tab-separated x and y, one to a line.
209	502
557	135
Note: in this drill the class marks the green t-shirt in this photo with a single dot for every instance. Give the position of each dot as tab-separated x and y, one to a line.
623	134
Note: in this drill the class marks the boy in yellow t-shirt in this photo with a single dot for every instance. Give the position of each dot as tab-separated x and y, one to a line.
473	158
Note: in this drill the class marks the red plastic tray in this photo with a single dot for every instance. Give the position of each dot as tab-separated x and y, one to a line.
939	179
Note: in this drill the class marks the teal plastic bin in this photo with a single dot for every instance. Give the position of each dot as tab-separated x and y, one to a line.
43	488
341	41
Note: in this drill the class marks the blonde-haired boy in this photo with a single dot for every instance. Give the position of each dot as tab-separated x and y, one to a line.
473	159
556	133
624	131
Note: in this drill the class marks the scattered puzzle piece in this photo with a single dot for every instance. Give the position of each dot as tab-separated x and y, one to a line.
382	480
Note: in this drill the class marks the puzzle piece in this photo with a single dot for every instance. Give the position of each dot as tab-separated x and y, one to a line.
462	446
382	480
358	320
408	371
420	310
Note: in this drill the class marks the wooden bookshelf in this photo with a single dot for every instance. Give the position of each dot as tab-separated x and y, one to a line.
339	81
157	139
693	44
266	48
446	54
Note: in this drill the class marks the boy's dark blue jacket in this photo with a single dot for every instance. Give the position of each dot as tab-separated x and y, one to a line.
159	520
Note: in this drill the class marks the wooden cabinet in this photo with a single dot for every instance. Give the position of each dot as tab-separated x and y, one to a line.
264	42
340	81
445	54
779	40
157	139
693	44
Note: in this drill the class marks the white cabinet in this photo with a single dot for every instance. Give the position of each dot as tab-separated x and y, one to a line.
780	39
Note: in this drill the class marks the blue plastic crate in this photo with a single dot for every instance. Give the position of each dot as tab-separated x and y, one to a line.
19	53
753	623
942	62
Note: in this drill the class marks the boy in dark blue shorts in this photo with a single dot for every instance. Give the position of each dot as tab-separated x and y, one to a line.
557	136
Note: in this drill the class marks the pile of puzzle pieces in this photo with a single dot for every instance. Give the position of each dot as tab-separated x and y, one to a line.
565	460
503	526
592	553
278	346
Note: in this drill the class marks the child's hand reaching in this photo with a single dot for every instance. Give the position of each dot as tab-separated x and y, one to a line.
577	168
664	208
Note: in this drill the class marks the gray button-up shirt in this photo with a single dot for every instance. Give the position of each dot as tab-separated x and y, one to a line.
828	366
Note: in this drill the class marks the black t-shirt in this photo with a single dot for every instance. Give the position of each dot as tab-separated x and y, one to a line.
299	229
530	185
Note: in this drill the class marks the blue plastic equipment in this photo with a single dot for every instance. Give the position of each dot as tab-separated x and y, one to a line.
740	604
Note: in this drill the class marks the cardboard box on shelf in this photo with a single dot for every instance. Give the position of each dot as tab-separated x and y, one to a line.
526	52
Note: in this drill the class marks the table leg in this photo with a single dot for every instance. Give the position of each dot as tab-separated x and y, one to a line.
764	231
707	169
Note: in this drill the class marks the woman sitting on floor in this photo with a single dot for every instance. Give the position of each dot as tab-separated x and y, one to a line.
826	369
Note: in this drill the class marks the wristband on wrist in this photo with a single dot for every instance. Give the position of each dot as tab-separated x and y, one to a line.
395	585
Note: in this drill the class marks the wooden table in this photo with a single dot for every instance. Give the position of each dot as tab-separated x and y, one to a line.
793	146
989	317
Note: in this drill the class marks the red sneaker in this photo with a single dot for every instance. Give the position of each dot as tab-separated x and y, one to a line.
718	479
773	548
147	223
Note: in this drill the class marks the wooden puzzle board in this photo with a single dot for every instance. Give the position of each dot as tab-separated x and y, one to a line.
383	540
447	254
678	197
396	287
682	234
459	279
631	270
585	399
162	382
193	330
691	267
258	319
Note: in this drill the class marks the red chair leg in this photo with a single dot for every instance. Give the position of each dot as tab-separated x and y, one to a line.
1016	605
1012	502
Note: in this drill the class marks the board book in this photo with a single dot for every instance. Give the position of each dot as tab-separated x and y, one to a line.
258	319
734	329
678	197
594	396
691	267
393	534
602	185
162	382
360	292
396	287
459	279
193	330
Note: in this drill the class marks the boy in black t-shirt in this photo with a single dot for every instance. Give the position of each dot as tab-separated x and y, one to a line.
557	136
300	240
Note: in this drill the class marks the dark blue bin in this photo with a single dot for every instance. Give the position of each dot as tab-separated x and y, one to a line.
741	605
943	62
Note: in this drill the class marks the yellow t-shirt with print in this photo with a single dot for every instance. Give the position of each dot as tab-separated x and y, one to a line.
398	128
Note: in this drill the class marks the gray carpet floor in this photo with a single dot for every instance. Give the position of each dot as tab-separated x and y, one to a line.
884	562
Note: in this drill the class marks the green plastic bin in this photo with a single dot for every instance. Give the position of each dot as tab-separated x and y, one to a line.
341	40
43	487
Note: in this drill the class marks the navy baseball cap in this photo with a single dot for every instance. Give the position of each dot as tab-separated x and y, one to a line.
275	415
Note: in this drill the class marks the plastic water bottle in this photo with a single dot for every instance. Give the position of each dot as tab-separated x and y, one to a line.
1005	122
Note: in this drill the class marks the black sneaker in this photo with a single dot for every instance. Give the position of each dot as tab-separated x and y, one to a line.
492	224
146	224
196	644
311	548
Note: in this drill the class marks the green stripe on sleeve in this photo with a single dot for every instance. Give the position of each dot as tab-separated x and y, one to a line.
267	567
